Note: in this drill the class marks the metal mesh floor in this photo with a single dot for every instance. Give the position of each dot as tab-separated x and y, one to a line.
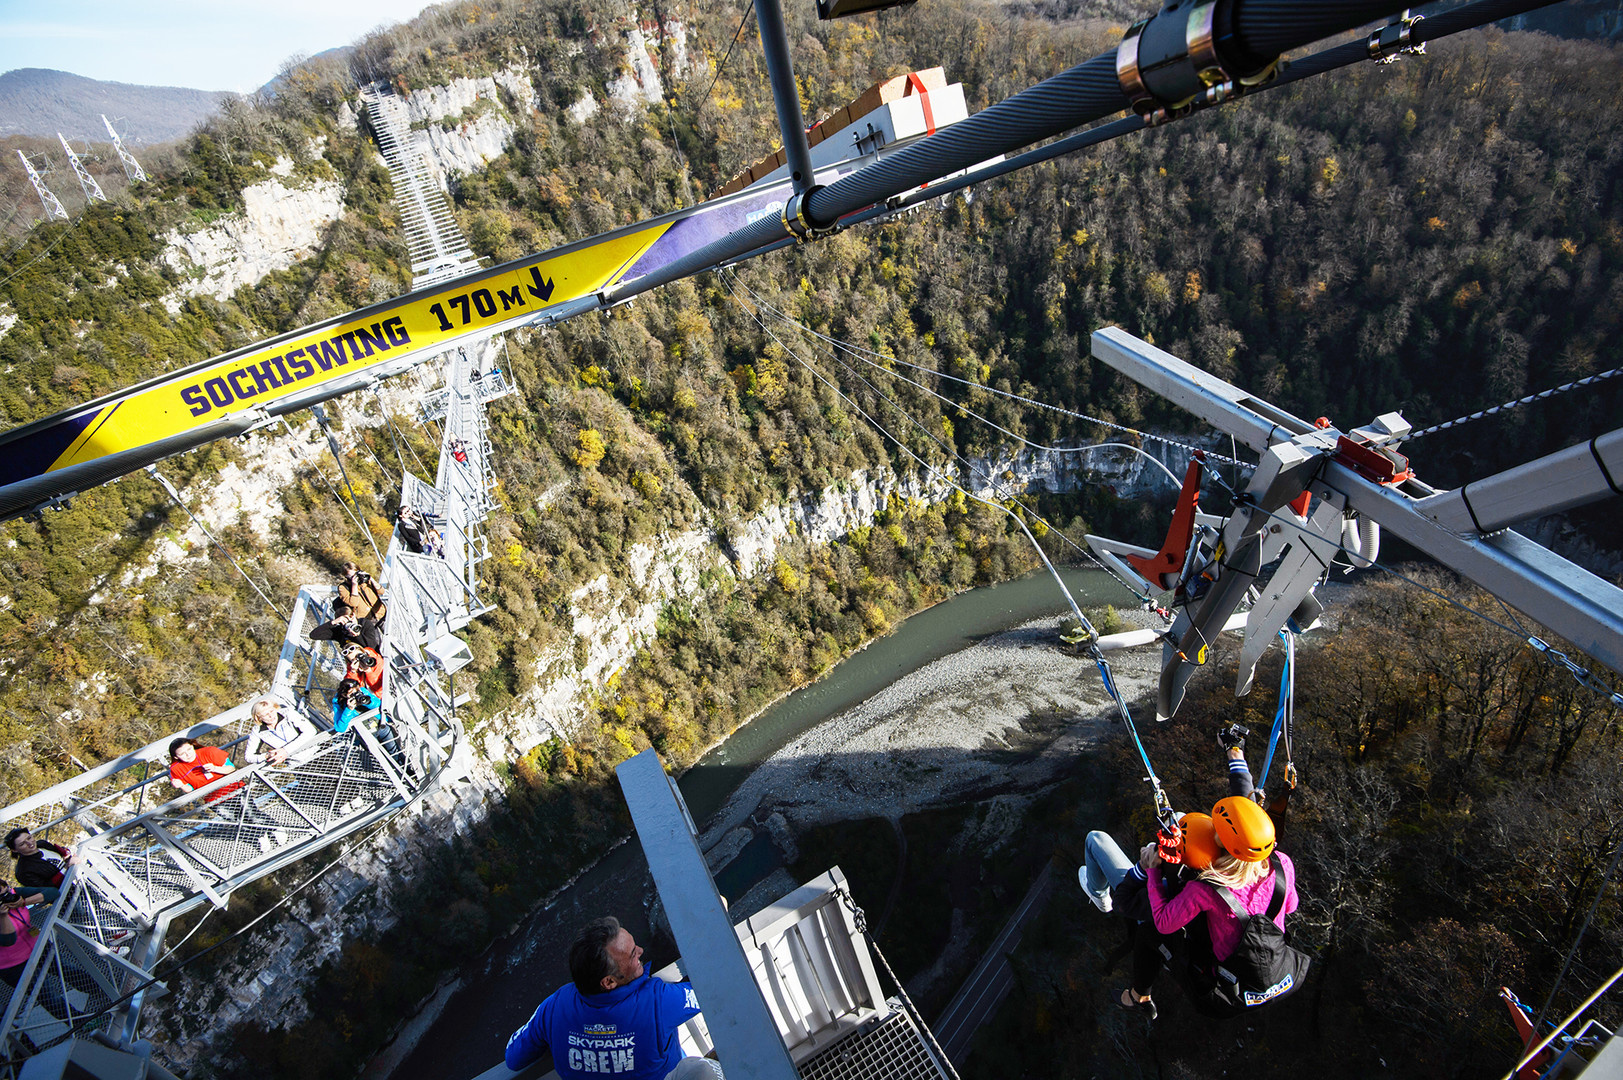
890	1050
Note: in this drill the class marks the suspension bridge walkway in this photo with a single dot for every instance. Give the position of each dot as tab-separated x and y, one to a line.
144	857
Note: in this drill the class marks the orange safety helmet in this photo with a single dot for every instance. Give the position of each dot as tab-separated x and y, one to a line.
1199	841
1243	828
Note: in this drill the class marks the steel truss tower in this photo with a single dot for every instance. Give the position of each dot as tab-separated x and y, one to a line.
53	205
132	168
87	183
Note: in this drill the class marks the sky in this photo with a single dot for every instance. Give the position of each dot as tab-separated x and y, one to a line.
201	44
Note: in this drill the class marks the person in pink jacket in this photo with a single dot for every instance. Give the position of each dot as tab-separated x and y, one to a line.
1246	866
17	942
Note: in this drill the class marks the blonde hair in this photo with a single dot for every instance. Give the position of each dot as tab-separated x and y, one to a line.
264	710
1231	873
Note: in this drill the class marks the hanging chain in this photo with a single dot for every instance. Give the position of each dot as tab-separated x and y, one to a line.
1509	405
859	919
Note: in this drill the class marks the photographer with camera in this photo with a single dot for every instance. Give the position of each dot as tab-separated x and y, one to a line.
352	700
344	628
364	666
362	595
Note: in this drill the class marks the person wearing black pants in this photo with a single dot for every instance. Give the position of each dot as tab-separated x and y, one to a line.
1116	885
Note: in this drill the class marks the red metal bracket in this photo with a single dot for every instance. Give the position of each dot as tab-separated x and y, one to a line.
1524	1032
1162	569
1373	463
915	85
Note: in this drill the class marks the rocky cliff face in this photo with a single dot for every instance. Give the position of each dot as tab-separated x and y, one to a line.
282	221
611	619
465	125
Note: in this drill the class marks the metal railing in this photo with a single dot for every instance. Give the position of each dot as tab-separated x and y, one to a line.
146	856
77	972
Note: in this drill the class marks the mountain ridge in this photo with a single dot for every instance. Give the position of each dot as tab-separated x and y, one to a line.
44	101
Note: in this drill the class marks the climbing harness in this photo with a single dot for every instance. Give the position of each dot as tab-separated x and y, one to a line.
1170	838
859	919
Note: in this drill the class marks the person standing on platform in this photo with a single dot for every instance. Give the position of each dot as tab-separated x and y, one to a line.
615	1018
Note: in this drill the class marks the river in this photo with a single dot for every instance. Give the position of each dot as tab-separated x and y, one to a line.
499	990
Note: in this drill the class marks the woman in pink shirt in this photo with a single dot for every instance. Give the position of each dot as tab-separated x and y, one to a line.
17	943
1246	867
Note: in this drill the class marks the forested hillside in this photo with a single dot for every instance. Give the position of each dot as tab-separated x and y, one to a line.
1437	235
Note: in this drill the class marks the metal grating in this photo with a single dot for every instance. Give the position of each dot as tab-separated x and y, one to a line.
76	973
433	238
890	1049
422	495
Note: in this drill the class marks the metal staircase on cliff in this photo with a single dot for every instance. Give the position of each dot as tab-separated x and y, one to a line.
433	238
145	857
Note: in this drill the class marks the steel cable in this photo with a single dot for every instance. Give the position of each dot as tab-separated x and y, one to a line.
932	469
1262	30
1509	405
953	454
1007	394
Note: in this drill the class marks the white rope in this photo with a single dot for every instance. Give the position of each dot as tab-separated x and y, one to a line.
904	448
1010	394
152	470
857	353
953	453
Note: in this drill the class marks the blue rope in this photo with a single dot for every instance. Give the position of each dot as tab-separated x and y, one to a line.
1163	808
1279	715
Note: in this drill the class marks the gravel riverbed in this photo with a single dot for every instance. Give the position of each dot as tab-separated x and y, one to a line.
1006	714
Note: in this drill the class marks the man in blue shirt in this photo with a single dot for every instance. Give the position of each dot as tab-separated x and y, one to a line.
615	1018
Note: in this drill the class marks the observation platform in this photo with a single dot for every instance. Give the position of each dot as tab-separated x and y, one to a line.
146	856
811	968
789	993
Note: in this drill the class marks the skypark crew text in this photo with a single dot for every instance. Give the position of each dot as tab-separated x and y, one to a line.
253	379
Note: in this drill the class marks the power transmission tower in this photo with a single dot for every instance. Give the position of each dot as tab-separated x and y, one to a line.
87	182
132	168
53	205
